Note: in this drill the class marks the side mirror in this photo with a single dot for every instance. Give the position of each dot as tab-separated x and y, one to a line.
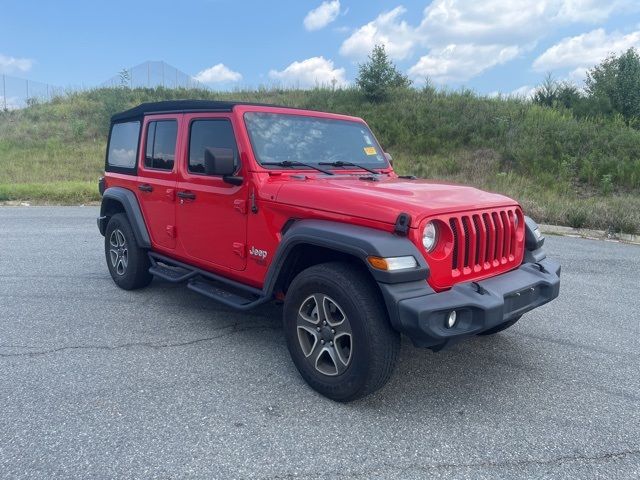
220	162
389	158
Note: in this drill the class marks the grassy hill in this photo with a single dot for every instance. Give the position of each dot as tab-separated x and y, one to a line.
578	172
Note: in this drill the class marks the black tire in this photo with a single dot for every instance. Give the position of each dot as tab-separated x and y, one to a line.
501	327
128	263
349	293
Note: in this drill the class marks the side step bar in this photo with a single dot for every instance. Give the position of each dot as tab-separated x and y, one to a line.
216	287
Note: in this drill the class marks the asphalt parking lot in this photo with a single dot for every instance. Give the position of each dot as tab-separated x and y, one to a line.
96	382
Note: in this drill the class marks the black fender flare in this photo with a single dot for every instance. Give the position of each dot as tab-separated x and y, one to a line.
360	242
131	207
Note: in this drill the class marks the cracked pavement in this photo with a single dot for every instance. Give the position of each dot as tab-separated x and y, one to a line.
96	382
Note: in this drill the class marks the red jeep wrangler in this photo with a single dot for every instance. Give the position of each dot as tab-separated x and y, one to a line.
247	203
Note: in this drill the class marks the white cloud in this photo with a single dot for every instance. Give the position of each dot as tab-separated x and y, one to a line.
490	21
310	72
591	11
398	37
524	92
501	21
577	75
13	64
322	16
586	50
461	62
219	73
465	34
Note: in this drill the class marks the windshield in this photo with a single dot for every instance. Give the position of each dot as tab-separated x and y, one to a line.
280	137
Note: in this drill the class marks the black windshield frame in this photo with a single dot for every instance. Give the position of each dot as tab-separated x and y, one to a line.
381	162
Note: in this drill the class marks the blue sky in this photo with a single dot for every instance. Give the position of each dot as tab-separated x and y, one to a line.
489	46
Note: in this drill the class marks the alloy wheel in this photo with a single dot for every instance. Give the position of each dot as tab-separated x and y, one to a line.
324	334
118	252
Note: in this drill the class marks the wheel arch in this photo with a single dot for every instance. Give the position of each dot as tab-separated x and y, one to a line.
120	200
310	242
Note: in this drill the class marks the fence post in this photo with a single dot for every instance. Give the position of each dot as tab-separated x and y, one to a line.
27	83
4	91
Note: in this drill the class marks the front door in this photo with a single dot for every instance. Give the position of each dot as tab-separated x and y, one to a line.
157	178
211	213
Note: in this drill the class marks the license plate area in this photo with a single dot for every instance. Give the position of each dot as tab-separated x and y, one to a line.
521	298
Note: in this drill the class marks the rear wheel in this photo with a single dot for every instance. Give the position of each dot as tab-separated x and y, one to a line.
501	327
338	331
128	263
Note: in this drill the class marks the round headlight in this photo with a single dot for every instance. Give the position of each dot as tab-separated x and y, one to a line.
430	236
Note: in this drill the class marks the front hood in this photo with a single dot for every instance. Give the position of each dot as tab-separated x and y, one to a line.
383	200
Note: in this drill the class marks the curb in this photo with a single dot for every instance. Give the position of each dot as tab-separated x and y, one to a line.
589	233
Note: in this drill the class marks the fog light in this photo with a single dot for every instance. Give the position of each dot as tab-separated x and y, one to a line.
451	319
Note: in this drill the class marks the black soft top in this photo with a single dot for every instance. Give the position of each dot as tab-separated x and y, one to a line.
172	106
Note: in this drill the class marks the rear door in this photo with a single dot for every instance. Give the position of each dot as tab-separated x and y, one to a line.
157	177
211	213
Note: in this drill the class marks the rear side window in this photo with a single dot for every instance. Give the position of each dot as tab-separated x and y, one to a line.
209	133
160	150
123	145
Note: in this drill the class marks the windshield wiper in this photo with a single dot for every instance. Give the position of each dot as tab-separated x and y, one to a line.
340	163
295	163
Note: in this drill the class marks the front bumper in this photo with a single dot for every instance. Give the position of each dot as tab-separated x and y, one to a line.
421	313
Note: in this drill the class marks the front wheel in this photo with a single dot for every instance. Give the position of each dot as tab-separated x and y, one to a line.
338	331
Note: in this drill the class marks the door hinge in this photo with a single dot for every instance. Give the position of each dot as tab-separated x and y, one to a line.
239	249
240	205
171	231
254	206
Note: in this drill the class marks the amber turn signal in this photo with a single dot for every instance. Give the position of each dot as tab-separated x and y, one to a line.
392	263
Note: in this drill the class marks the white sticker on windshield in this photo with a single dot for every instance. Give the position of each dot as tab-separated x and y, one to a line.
368	140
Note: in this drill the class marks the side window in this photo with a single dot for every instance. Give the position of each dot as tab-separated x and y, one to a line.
160	150
209	133
123	145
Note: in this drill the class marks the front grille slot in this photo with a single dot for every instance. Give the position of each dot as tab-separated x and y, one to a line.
483	241
454	229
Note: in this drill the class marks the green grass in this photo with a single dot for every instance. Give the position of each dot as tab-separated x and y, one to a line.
578	172
58	193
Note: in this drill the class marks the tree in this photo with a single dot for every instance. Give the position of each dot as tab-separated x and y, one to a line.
379	76
552	93
547	93
616	82
568	95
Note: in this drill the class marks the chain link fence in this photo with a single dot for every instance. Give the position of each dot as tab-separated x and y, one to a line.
153	75
19	92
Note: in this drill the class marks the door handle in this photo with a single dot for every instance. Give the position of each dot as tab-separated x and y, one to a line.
189	195
145	187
